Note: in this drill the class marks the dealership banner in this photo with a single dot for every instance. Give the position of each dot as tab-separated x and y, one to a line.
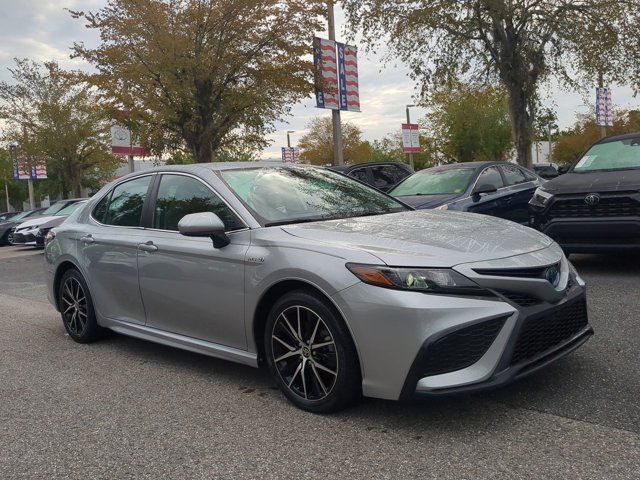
348	75
410	138
326	73
29	168
290	154
123	144
604	107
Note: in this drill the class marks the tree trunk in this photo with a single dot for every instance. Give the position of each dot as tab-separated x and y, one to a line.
77	189
202	151
521	124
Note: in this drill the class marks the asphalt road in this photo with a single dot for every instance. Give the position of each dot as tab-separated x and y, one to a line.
124	408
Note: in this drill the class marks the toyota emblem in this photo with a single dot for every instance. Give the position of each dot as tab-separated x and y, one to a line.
592	199
552	275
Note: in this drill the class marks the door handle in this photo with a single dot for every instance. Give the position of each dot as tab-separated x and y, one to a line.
88	240
148	247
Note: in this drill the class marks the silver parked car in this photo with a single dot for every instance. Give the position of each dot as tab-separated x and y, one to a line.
338	288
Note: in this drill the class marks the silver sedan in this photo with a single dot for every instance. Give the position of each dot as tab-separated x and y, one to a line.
341	290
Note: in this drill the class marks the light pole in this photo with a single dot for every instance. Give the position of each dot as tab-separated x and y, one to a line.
289	138
409	121
338	159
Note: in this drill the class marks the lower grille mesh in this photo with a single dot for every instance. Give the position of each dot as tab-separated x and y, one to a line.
461	348
540	334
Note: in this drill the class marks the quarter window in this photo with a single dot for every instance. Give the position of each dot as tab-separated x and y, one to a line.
513	175
100	209
490	177
127	200
179	196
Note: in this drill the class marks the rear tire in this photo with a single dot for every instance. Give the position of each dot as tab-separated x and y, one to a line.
76	308
311	355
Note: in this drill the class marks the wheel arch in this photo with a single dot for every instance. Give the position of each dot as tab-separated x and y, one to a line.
61	269
275	292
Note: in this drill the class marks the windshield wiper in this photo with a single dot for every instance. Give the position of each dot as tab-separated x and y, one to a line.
296	220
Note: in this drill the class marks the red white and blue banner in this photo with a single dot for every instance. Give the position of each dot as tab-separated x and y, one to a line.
29	169
290	155
348	75
604	107
326	73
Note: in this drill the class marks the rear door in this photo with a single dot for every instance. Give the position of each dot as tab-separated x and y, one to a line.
520	185
188	286
108	248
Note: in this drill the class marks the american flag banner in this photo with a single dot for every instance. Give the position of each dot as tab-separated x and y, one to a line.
604	107
349	88
29	169
290	154
326	73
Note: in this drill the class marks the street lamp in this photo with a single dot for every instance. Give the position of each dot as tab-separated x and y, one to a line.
409	121
289	138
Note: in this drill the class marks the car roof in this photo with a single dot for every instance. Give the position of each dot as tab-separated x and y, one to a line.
473	165
616	138
341	168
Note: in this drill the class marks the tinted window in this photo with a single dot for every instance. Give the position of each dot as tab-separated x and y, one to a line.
100	209
360	174
179	196
127	200
530	176
513	175
490	177
300	194
387	175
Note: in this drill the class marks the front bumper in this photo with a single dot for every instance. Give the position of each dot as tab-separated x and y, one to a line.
23	238
412	343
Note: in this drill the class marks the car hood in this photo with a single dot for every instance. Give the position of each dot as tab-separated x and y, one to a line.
426	238
37	221
54	222
594	182
427	201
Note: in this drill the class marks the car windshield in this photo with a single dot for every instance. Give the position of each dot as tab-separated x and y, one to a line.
53	209
278	195
20	216
440	182
69	209
616	155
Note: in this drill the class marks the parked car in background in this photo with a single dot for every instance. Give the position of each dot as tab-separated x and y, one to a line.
381	175
7	226
59	218
338	288
492	188
25	232
546	170
595	206
5	216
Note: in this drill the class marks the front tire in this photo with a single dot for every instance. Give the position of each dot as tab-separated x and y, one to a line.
311	355
76	308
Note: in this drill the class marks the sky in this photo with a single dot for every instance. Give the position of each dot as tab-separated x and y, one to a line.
43	30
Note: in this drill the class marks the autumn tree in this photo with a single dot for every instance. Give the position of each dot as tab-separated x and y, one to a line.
470	123
210	75
517	43
572	143
316	146
55	119
389	148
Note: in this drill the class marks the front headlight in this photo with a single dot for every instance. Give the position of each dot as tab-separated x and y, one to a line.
437	280
542	196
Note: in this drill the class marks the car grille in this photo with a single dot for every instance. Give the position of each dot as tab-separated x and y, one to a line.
615	206
519	298
539	334
460	349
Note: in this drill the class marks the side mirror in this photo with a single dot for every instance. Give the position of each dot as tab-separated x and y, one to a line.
483	189
562	169
205	224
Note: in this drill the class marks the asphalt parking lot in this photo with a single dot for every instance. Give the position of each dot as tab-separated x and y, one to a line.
124	408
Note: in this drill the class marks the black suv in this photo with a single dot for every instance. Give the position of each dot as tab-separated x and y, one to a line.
381	175
595	206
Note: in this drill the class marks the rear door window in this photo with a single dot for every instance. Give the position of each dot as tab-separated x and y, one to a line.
127	200
513	175
360	174
490	177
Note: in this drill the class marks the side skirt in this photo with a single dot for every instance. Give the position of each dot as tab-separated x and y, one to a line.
180	341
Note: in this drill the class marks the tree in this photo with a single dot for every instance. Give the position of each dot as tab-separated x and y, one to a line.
57	120
209	74
470	123
389	148
571	144
518	43
316	146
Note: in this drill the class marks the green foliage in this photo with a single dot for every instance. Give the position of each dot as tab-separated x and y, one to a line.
470	123
389	148
202	74
316	146
60	122
518	44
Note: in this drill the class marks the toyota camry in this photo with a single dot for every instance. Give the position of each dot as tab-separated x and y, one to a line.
339	289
